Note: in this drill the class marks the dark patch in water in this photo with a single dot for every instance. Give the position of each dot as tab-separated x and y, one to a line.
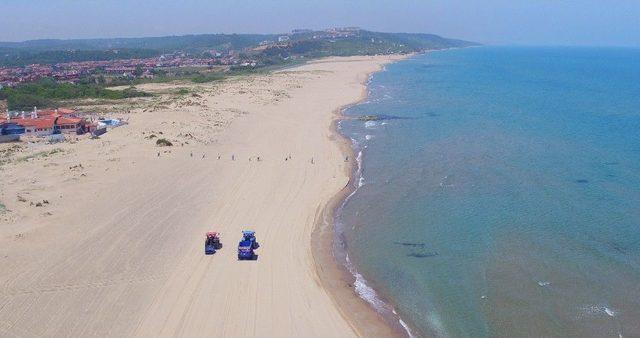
393	117
422	245
582	181
422	254
618	247
432	114
611	163
383	117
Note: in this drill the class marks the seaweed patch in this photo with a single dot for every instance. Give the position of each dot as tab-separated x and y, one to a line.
422	245
422	254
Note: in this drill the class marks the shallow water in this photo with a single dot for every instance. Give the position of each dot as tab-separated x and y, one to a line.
500	193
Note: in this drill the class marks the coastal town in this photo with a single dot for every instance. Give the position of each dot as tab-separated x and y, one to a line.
150	67
129	68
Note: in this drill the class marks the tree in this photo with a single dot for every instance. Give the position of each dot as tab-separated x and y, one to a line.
139	71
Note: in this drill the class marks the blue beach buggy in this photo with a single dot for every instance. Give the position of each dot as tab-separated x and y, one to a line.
247	245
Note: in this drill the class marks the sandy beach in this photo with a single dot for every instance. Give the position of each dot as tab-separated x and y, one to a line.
105	237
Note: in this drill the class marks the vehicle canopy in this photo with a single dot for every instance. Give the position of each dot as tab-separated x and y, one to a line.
248	233
212	234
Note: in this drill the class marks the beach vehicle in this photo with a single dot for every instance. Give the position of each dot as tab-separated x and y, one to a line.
97	131
247	246
212	243
10	131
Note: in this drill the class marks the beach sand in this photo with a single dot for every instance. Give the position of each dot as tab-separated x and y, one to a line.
105	237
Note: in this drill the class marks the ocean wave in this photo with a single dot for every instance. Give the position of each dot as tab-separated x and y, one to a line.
371	124
405	326
369	79
355	143
364	291
368	293
593	310
359	175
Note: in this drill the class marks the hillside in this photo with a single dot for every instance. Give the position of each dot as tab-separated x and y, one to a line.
344	41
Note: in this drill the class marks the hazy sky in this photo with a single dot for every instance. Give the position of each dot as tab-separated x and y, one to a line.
538	22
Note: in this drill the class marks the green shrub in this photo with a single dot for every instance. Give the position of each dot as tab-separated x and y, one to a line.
163	142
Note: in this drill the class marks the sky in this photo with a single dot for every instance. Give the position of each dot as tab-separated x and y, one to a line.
519	22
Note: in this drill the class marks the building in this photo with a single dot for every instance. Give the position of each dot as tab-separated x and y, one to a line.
283	38
36	127
42	122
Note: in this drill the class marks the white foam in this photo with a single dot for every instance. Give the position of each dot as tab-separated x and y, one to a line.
359	170
598	310
358	175
368	137
610	312
359	162
354	142
371	124
544	283
405	326
367	293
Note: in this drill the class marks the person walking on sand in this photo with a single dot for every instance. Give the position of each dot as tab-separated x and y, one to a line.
233	157
312	161
203	156
158	154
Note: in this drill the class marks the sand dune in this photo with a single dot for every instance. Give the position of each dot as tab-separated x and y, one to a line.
117	250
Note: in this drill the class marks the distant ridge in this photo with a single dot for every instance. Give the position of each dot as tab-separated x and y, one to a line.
333	41
194	41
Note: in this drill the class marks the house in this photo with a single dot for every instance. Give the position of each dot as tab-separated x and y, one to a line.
42	126
71	125
37	126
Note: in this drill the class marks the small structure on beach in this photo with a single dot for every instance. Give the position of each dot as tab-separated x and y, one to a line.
46	122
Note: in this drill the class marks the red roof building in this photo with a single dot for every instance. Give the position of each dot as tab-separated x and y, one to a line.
44	125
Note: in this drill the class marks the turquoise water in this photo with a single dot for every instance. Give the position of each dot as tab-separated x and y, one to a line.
500	192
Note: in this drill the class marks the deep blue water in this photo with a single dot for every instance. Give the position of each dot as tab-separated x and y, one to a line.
501	191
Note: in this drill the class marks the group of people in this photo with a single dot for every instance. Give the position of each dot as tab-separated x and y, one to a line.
258	158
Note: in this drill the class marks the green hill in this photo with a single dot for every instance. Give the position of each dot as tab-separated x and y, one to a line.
310	43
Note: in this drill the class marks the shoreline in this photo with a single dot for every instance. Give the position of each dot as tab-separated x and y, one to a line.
334	273
248	153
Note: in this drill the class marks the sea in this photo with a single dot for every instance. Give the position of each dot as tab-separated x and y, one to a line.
497	193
